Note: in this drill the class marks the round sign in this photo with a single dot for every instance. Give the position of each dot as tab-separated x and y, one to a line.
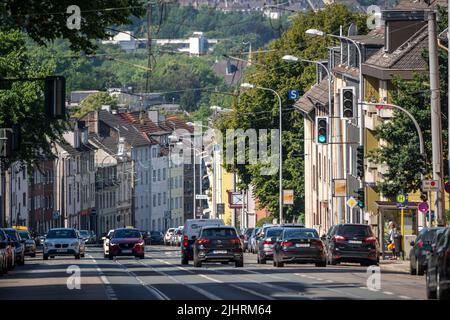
447	187
401	198
423	207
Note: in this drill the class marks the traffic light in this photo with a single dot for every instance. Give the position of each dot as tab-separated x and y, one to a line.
360	197
360	161
322	130
55	97
348	102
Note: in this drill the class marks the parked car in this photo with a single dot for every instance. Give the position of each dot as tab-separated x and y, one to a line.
264	250
30	244
85	235
63	242
18	245
352	243
168	236
3	253
218	244
298	245
420	250
9	251
247	233
252	240
438	269
126	242
106	239
156	237
191	232
261	234
176	237
146	237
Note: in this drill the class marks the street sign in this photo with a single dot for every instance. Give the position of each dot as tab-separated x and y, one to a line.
351	202
447	187
423	207
93	212
288	196
340	187
430	185
294	94
201	197
402	200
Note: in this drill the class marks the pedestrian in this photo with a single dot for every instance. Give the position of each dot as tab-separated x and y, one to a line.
392	235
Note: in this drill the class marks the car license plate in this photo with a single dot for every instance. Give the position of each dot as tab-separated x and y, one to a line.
354	241
220	251
126	251
302	245
61	250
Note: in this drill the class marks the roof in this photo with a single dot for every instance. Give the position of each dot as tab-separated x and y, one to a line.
374	37
419	4
317	94
76	151
109	144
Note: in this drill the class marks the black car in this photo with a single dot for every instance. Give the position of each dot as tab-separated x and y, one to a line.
30	244
420	250
18	243
146	237
352	243
299	245
264	250
438	268
156	237
218	244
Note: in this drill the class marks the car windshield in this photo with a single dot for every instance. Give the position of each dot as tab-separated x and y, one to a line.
219	233
300	233
84	233
24	235
61	234
248	231
12	234
355	231
127	233
273	233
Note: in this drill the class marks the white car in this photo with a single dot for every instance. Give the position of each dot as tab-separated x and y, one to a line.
63	242
168	236
106	243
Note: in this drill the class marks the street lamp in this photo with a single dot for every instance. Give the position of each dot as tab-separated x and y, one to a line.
291	58
319	33
246	85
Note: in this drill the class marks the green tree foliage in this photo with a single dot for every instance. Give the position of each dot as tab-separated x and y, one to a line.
259	109
401	154
46	20
95	101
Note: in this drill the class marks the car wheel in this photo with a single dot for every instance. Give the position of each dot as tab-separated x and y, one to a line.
142	256
184	260
82	255
77	256
263	260
22	261
431	294
197	263
412	270
224	262
110	256
33	255
239	263
105	255
45	256
420	269
279	264
440	293
321	264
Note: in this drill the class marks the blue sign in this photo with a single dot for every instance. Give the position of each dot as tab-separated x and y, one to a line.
423	207
93	212
294	94
402	200
447	187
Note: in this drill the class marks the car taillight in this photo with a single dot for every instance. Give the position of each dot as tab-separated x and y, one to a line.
236	241
286	244
338	238
267	242
370	239
420	244
202	241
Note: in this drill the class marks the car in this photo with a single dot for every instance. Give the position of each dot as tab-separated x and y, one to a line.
261	234
92	238
218	244
176	237
264	250
18	244
191	232
298	245
252	240
146	237
156	237
4	244
168	236
420	249
9	250
352	243
106	239
438	268
62	242
126	242
247	233
85	235
30	244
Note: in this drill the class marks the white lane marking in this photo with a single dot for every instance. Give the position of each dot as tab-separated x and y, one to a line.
205	293
251	292
157	293
405	297
209	278
388	293
110	293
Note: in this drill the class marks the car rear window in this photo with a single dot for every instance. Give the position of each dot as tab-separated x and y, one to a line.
61	234
274	232
300	233
355	231
24	235
219	233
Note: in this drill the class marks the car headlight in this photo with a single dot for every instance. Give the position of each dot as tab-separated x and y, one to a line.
48	244
74	244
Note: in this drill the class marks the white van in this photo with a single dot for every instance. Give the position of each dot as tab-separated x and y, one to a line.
191	232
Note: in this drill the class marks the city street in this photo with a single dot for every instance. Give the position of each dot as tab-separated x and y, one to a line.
160	276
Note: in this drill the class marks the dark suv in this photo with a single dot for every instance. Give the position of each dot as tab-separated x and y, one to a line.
438	268
352	243
218	244
420	249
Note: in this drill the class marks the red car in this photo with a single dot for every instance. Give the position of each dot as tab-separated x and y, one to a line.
9	250
126	242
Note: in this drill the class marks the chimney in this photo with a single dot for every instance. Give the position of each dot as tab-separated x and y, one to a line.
153	115
141	117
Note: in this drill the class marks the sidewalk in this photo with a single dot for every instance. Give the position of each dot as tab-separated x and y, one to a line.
401	266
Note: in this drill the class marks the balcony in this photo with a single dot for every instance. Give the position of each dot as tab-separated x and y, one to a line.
372	121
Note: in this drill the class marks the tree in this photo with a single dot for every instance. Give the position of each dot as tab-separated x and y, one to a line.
259	109
95	101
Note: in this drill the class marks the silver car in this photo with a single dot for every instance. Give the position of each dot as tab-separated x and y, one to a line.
63	242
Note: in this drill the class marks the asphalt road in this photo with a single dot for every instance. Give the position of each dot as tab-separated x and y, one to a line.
161	276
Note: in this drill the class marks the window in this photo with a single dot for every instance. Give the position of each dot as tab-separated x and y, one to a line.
78	192
142	201
171	183
159	174
159	199
154	175
70	194
164	173
154	200
24	198
146	177
164	198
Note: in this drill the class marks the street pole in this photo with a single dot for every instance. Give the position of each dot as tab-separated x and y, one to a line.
448	96
436	125
194	208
